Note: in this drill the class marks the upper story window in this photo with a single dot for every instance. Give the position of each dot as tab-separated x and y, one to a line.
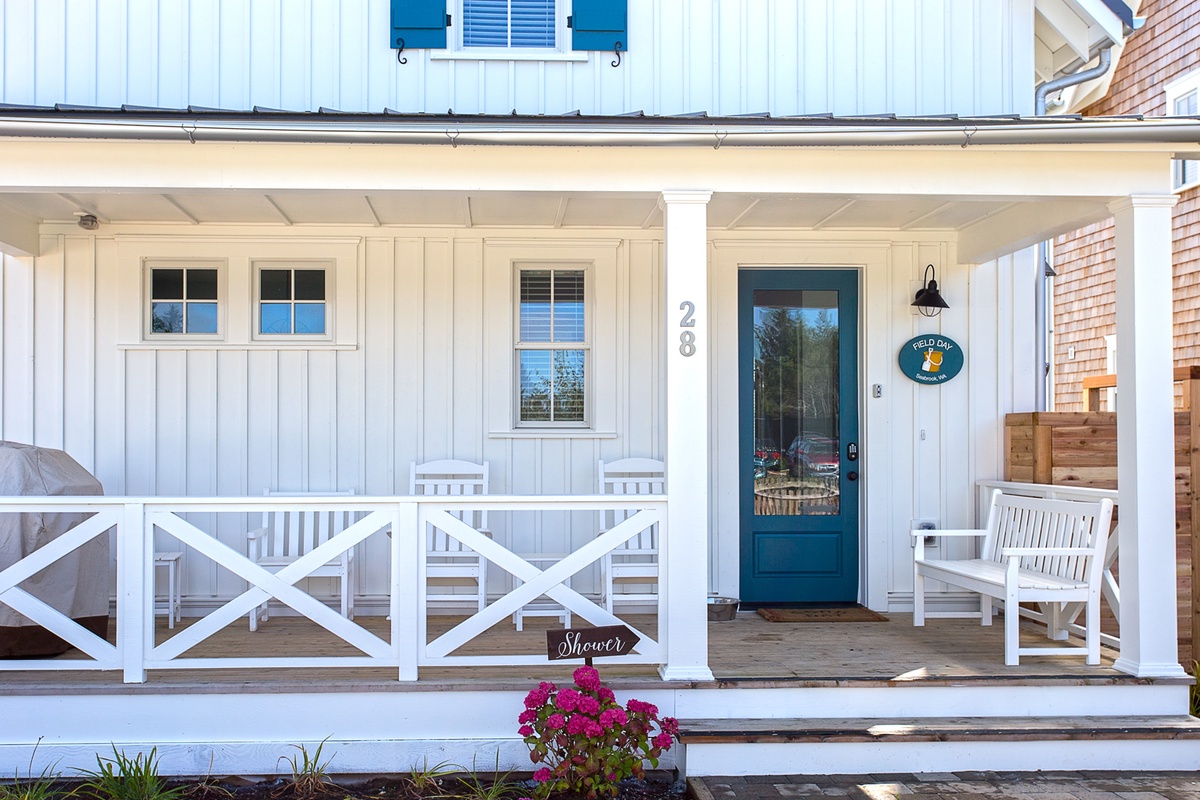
509	29
291	301
184	299
552	347
1183	100
509	23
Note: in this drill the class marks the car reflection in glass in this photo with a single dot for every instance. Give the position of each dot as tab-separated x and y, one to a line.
811	456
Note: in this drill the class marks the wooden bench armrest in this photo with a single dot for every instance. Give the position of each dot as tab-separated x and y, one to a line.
256	534
934	532
1013	552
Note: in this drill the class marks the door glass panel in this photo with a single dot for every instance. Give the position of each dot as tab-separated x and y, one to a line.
796	451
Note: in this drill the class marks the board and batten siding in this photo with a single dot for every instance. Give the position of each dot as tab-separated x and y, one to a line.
426	374
429	369
783	57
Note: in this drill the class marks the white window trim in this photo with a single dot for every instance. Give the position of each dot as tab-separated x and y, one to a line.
237	252
589	305
329	267
606	328
150	264
1175	90
562	35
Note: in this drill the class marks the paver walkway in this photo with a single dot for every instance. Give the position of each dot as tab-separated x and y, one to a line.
943	785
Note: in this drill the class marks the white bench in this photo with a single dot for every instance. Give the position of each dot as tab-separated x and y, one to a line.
1033	550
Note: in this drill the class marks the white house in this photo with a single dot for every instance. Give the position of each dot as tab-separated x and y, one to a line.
259	246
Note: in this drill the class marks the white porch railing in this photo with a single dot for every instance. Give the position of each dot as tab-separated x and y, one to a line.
403	521
1108	582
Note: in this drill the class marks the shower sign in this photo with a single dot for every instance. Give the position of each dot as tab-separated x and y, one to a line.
931	359
589	643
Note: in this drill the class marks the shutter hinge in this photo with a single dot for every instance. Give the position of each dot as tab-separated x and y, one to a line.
448	23
570	21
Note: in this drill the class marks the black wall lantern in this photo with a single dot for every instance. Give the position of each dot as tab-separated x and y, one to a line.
929	300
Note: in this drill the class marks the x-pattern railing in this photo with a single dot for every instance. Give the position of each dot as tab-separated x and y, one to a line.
265	585
103	654
137	522
535	582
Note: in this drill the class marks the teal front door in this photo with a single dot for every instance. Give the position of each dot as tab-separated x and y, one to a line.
799	455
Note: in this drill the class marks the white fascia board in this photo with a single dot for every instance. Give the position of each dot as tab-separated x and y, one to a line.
1016	172
1101	16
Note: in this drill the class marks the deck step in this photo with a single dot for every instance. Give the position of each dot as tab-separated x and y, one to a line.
937	729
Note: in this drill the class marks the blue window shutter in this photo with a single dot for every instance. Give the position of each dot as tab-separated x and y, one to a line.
419	23
599	25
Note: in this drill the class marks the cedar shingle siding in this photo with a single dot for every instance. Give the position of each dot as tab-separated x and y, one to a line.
1168	47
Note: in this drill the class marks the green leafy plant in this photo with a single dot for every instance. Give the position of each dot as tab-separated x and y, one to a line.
43	787
426	781
585	741
310	775
471	787
125	778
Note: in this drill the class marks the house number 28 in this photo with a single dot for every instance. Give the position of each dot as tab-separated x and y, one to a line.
687	339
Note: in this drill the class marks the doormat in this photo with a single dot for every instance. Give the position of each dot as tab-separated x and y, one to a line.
842	614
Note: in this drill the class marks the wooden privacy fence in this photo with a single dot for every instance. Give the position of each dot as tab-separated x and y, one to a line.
1080	449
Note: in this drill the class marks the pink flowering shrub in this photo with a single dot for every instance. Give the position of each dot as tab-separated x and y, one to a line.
584	741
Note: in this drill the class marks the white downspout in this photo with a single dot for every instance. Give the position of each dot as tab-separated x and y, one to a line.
1041	299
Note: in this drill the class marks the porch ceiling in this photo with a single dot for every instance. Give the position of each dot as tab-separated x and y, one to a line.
727	211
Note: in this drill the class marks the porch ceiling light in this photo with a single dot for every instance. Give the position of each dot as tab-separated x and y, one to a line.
929	300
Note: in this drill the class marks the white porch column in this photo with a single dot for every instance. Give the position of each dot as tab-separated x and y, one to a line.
1146	436
685	557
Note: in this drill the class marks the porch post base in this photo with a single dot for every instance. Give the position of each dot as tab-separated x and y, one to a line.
697	673
1148	669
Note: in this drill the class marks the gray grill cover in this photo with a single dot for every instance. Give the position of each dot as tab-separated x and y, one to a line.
79	583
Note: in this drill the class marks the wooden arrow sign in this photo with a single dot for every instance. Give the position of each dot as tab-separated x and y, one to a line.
589	643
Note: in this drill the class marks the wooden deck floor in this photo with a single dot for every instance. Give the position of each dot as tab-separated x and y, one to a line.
748	651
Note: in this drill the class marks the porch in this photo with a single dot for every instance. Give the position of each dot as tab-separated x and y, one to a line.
748	652
215	697
418	364
851	694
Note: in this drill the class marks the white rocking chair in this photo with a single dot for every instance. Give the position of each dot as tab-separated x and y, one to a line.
635	563
448	562
287	534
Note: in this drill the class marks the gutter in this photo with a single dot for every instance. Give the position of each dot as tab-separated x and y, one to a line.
541	131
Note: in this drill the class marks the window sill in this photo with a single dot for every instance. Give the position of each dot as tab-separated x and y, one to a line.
514	54
177	344
553	433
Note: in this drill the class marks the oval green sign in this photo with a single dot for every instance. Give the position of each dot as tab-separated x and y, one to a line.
931	359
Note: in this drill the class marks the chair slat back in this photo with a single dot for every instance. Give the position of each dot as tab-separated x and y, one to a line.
292	532
632	476
450	478
1015	521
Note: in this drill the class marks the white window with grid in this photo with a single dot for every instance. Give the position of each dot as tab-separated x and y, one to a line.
552	347
292	300
185	299
1183	100
510	28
